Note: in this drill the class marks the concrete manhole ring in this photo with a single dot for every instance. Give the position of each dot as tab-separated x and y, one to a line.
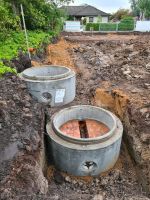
51	85
84	156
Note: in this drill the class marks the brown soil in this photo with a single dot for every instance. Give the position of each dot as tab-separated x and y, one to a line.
94	128
21	141
93	38
112	72
116	65
58	54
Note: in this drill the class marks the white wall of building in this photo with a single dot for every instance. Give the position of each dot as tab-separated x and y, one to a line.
96	19
104	19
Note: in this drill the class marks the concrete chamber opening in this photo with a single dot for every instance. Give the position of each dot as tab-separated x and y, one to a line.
84	140
87	128
51	85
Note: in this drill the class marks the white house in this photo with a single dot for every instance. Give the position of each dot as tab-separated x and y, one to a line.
92	14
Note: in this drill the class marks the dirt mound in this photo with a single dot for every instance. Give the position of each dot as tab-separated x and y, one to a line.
58	54
21	136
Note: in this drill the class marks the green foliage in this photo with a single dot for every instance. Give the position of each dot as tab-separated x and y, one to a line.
39	14
16	41
107	27
141	7
43	15
7	20
134	7
59	2
144	6
5	69
126	24
84	21
92	26
121	13
101	26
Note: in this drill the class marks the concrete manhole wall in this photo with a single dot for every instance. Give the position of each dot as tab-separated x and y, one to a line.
52	85
84	156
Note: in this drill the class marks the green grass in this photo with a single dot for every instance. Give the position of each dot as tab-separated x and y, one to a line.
16	41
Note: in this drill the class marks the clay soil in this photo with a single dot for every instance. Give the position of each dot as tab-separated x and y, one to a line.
112	72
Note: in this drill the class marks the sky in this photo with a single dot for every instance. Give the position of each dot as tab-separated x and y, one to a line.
109	6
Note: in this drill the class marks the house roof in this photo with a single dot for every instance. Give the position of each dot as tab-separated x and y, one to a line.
83	10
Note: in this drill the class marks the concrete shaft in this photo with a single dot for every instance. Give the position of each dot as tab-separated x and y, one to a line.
85	156
52	85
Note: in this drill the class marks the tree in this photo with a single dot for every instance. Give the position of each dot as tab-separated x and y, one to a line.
121	13
135	8
7	20
59	2
39	14
144	6
141	8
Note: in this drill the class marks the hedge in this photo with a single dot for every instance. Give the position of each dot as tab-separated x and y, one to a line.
125	24
95	26
107	27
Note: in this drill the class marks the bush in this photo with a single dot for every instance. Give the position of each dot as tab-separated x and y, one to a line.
101	26
5	69
8	21
107	27
126	24
39	14
120	14
94	26
16	41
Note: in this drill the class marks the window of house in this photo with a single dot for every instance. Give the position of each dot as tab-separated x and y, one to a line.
91	19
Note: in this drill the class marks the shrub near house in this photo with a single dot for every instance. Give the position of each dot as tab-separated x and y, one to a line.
101	26
126	24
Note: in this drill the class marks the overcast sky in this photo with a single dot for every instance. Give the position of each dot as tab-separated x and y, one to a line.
105	5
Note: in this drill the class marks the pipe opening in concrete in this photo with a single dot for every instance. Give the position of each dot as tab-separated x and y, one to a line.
89	165
47	96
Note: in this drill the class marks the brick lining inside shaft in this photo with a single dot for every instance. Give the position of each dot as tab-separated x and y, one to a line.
86	128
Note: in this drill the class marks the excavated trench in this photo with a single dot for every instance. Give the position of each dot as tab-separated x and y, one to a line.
104	79
114	97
